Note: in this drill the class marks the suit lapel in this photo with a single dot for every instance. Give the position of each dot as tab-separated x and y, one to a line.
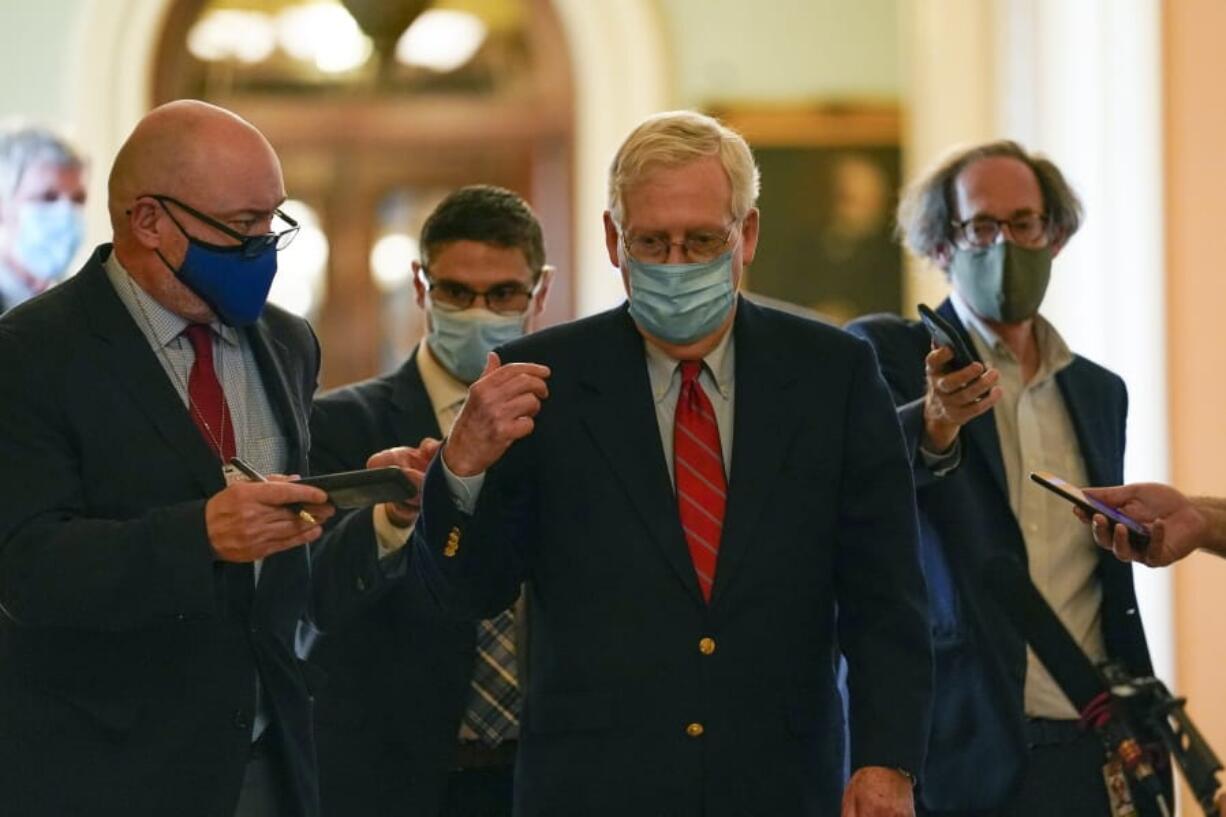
620	415
135	366
284	395
980	432
764	424
414	416
1094	448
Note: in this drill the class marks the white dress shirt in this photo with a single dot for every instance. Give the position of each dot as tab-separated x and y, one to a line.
1036	434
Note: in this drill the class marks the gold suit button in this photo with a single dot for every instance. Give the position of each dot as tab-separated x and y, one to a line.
706	646
453	543
694	730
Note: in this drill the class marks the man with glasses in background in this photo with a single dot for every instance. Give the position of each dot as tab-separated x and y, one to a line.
698	494
149	594
420	713
1005	739
42	193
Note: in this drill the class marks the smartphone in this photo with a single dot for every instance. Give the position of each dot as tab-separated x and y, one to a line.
945	335
1138	534
361	489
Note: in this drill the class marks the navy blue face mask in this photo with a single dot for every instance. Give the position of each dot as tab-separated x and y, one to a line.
233	280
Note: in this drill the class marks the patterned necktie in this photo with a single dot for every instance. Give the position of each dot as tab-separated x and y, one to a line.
698	467
206	400
495	698
493	708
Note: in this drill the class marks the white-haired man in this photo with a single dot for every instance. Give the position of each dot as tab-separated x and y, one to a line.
42	192
699	495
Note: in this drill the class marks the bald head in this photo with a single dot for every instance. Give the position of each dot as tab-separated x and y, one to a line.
203	157
193	151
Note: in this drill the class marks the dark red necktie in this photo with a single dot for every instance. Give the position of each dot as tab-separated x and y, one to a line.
206	400
698	465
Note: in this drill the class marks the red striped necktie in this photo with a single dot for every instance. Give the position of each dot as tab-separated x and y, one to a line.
206	400
698	466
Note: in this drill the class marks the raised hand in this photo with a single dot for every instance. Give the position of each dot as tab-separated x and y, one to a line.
955	398
500	409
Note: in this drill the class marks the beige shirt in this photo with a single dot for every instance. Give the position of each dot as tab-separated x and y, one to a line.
1036	434
447	397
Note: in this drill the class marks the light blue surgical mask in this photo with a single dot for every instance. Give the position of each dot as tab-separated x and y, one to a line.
461	340
48	235
681	303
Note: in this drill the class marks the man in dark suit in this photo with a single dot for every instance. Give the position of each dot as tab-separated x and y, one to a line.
1005	739
700	494
150	597
482	281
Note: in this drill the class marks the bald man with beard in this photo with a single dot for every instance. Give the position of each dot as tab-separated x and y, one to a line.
148	594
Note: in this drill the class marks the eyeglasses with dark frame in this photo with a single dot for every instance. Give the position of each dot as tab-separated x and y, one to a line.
506	298
1024	229
699	246
249	245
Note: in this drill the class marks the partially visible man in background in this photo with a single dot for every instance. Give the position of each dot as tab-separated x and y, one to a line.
1005	739
482	282
42	191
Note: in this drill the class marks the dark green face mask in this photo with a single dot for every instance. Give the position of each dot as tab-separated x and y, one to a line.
1003	282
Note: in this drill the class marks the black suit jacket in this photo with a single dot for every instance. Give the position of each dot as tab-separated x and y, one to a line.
977	747
820	515
398	674
127	668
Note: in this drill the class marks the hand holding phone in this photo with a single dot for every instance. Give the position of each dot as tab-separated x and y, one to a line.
1138	534
945	335
959	390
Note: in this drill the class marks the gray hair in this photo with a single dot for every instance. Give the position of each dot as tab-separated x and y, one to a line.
675	138
927	210
23	145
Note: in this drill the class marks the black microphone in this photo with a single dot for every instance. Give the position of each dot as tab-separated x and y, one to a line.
1022	603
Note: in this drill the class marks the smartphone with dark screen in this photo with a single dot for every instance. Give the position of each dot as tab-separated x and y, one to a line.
945	335
1138	534
361	489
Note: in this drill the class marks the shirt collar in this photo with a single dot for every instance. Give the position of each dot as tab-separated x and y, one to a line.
719	364
442	387
158	323
976	324
1054	352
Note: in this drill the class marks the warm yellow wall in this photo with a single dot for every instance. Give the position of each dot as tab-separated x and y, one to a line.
1195	135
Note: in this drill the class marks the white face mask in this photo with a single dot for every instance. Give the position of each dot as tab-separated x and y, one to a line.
48	235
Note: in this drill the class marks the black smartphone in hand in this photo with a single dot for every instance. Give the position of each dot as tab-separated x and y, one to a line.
945	335
361	489
1138	534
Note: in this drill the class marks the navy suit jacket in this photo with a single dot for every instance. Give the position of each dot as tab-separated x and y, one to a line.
977	747
398	673
818	552
127	667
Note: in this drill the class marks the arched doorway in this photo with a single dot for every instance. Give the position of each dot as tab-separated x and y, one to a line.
372	135
618	60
